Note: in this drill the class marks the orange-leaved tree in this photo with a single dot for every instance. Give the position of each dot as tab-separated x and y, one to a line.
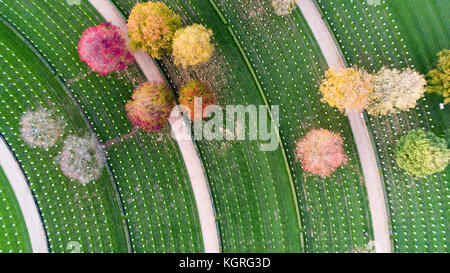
196	89
151	27
150	107
321	152
346	88
192	45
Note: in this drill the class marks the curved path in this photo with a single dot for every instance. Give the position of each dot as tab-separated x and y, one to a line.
180	130
375	190
26	201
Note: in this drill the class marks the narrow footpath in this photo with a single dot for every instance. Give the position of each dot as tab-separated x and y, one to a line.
180	130
374	186
23	194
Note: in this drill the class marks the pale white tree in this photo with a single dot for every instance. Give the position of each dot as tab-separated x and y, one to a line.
395	91
41	128
82	159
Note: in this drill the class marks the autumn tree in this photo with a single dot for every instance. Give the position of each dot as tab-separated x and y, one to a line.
104	49
395	91
422	153
82	159
283	7
346	88
196	89
192	45
439	78
321	152
41	128
151	27
150	106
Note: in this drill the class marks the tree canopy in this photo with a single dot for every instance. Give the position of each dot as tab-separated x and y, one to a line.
421	153
82	159
192	45
321	152
395	91
41	128
346	88
151	27
439	78
104	49
150	106
196	89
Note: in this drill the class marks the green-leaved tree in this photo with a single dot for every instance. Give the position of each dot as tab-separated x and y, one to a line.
422	153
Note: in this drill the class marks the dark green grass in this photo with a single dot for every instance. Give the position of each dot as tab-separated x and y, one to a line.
401	34
251	189
88	215
148	168
13	230
425	28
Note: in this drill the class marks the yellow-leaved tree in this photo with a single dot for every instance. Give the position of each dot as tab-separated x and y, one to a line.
192	45
151	27
346	88
439	78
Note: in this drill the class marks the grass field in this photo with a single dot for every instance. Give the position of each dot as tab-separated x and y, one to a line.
401	34
251	189
87	215
13	230
151	178
264	201
289	65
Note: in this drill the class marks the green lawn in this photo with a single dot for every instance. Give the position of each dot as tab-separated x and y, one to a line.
144	200
251	189
88	215
289	66
148	169
13	230
401	34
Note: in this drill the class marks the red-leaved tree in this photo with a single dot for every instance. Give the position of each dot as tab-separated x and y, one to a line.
150	107
321	152
104	49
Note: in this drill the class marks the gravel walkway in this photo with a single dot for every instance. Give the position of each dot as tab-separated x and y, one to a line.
375	191
179	128
23	194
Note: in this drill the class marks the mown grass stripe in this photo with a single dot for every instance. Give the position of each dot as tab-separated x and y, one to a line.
82	114
263	96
